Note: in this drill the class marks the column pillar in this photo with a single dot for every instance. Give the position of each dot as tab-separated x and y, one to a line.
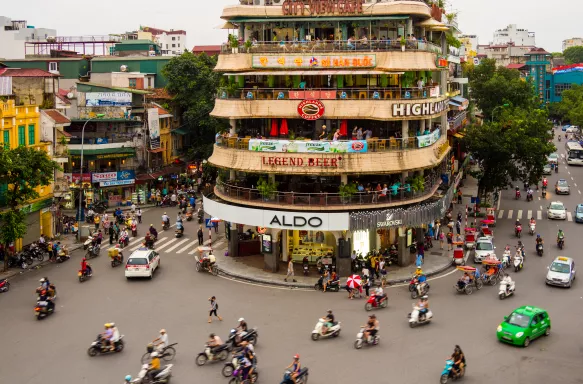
233	124
410	26
270	260
422	125
405	129
404	259
272	177
284	247
233	240
344	179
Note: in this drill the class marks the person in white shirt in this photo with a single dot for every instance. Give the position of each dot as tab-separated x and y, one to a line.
133	207
41	240
173	198
116	336
161	341
165	218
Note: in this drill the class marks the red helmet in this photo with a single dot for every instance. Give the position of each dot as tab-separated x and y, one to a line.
296	356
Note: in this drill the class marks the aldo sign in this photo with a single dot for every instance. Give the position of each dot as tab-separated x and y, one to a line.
294	221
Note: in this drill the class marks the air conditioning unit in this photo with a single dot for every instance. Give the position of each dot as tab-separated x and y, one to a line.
258	2
278	1
124	68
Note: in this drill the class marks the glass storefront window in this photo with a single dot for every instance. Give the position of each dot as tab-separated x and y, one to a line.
361	241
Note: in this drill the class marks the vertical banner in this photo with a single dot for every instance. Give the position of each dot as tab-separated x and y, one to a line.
154	126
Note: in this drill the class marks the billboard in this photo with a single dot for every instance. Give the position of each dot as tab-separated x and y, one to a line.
108	99
353	146
109	179
154	126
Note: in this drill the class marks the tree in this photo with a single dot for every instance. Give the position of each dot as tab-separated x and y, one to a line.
571	105
573	55
23	170
513	148
194	84
492	86
556	54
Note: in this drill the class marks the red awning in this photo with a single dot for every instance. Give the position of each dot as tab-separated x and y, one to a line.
274	132
283	130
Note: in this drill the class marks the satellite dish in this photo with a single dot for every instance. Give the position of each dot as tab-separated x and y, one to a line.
70	95
123	68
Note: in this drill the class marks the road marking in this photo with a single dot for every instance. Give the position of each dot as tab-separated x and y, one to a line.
539	215
575	184
519	215
529	214
167	244
157	242
572	178
501	214
510	212
219	243
130	243
568	172
579	191
539	198
569	216
541	207
193	244
176	245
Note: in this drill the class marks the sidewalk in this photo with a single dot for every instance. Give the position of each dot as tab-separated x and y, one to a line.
66	240
73	212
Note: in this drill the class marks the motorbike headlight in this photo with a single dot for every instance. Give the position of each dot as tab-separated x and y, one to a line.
499	329
519	334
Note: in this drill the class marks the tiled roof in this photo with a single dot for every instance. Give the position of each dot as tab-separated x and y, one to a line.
159	93
157	31
206	49
539	51
515	66
25	72
56	116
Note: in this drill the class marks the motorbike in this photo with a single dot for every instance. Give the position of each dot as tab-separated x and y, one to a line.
333	331
239	379
518	263
93	251
413	283
188	216
117	260
374	302
544	192
415	319
99	346
200	217
506	289
249	336
419	290
166	354
88	242
332	286
63	255
301	378
134	230
517	196
52	293
36	252
179	232
360	339
4	285
18	261
306	266
124	241
220	354
506	258
90	219
561	243
42	310
539	249
161	378
529	197
165	225
448	372
83	275
556	168
518	231
531	229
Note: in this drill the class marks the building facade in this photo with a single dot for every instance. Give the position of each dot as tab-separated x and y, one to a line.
573	42
15	33
338	138
512	34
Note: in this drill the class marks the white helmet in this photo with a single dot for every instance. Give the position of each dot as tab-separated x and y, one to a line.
154	354
241	319
42	280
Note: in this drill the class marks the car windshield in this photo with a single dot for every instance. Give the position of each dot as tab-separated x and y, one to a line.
580	209
519	320
557	207
562	183
560	267
553	156
137	261
484	246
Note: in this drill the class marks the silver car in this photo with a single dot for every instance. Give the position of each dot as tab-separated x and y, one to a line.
561	272
557	210
484	248
562	187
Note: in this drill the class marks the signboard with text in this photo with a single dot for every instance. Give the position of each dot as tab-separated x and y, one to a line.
353	146
427	140
108	99
313	61
311	109
419	109
321	7
109	179
154	127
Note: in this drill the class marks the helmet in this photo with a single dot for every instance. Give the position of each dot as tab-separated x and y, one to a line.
425	297
162	330
241	319
128	378
296	356
84	259
112	325
42	280
117	245
212	335
329	311
151	225
418	271
164	212
106	325
537	235
154	354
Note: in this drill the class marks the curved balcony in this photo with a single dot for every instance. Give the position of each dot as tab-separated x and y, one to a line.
396	196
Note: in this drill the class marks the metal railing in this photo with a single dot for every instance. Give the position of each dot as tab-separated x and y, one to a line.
396	193
331	46
458	120
73	39
376	93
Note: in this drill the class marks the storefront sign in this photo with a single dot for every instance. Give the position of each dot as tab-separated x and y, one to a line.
301	95
321	7
299	162
115	156
282	146
390	222
311	109
427	140
419	109
102	140
73	178
108	179
313	61
296	221
434	91
116	183
266	245
108	99
154	127
441	62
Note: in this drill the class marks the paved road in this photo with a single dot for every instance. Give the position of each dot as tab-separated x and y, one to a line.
54	350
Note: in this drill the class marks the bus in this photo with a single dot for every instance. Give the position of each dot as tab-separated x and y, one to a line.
574	153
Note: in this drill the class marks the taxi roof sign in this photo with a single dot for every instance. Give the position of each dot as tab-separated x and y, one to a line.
562	258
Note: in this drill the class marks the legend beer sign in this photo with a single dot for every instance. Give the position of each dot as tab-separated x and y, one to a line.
321	7
419	109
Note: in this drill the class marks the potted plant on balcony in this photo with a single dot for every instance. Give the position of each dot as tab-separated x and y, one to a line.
403	43
346	192
234	43
248	44
417	183
267	188
63	150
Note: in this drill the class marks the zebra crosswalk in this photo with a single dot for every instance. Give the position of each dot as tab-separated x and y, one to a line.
511	214
168	245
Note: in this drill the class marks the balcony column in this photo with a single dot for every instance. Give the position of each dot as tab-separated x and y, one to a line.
444	124
422	125
233	124
409	26
344	179
271	177
405	129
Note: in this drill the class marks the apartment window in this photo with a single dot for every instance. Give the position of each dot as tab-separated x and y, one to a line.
166	46
560	87
178	45
178	38
173	38
21	135
149	82
53	67
132	83
6	139
173	45
31	134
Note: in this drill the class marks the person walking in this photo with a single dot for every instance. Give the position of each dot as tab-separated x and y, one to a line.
214	308
111	234
441	239
216	226
458	226
210	236
200	235
139	215
96	220
459	196
290	271
450	240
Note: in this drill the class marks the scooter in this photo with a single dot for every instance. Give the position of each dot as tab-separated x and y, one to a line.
420	290
517	196
165	225
83	275
372	302
42	310
561	243
506	288
333	286
87	242
306	266
448	372
124	241
544	192
532	229
188	216
529	197
415	320
539	249
506	258
301	378
360	340
518	231
333	331
250	336
100	347
134	230
179	232
64	255
4	285
556	168
220	354
93	251
518	263
161	378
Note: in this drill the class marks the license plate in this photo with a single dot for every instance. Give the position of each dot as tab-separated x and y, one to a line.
136	269
506	338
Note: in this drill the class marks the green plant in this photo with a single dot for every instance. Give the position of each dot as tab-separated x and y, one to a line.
292	135
417	183
266	187
452	41
451	16
248	44
233	41
346	191
47	104
403	41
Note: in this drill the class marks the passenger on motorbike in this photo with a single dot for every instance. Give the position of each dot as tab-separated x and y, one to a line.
371	328
421	282
44	296
242	329
154	367
295	367
161	341
44	284
459	360
153	232
108	336
116	335
148	240
165	219
329	322
124	235
325	280
423	305
86	268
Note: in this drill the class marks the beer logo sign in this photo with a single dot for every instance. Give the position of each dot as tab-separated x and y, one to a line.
311	109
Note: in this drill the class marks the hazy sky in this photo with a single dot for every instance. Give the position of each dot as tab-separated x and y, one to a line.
552	21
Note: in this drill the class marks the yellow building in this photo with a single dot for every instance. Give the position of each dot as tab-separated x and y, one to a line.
20	126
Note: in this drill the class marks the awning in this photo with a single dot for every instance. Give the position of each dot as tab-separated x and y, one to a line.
227	25
459	135
106	153
179	131
313	72
459	102
155	175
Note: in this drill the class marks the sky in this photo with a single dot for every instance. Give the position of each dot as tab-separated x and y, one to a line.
552	21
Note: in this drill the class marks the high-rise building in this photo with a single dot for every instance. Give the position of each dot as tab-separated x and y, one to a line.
516	36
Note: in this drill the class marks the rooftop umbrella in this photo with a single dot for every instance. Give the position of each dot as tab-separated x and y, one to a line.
215	220
273	132
283	129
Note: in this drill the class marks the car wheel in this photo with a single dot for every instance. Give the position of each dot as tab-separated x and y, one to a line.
526	342
548	331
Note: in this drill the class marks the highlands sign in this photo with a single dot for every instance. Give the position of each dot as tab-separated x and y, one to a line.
321	7
419	109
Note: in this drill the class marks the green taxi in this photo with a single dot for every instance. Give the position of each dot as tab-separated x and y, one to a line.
524	324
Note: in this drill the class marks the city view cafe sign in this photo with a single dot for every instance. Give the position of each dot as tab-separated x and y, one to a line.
321	7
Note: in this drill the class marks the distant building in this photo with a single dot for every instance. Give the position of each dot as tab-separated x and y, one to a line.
574	42
170	43
511	34
15	33
470	42
210	50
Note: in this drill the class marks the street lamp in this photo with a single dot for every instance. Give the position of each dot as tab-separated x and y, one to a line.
80	211
494	110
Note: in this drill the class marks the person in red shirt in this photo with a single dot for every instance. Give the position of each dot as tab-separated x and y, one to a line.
86	268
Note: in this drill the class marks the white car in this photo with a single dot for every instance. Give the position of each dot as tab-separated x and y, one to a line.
553	158
572	129
142	263
484	248
557	210
561	272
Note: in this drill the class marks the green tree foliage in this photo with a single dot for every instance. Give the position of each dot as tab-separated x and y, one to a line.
513	148
194	84
573	55
492	86
22	170
571	105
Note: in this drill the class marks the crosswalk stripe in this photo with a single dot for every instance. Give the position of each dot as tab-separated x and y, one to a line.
529	214
519	215
539	215
219	244
166	244
177	245
131	242
193	244
510	212
569	216
157	242
501	214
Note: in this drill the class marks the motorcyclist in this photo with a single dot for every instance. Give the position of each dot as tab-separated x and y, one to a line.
371	328
379	294
44	284
295	368
116	335
423	305
241	330
329	322
211	260
517	190
165	219
459	360
539	240
124	236
108	336
517	225
44	296
421	281
508	281
560	235
249	353
532	221
545	182
214	342
148	240
86	268
161	341
529	194
153	232
154	367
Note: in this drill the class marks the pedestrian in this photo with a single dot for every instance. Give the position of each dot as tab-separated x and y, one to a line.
214	308
450	241
437	229
216	227
210	236
200	235
459	196
421	250
139	215
366	283
50	250
441	239
96	220
290	271
111	234
458	226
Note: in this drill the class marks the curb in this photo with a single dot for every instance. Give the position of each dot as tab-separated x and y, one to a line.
236	276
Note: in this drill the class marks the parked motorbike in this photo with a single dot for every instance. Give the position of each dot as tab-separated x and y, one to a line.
376	302
333	331
506	288
220	354
448	372
101	346
539	249
333	286
4	285
19	261
361	340
161	378
416	319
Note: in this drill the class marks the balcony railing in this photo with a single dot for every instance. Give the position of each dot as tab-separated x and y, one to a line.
397	193
332	46
457	121
389	93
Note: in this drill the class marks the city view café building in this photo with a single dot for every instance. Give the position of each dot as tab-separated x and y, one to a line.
338	128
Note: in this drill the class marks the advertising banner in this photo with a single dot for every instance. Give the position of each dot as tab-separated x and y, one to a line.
108	99
427	140
73	178
353	146
5	86
314	61
154	126
106	179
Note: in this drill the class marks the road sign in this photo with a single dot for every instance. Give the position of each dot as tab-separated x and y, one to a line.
475	200
207	223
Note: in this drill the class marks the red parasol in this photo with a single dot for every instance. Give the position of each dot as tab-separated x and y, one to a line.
344	128
273	132
283	129
354	281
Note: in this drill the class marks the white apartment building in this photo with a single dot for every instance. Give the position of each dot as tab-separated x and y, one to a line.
14	34
511	34
574	42
172	42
